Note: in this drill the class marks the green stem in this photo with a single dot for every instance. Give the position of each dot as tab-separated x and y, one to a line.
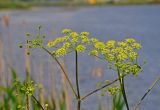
63	70
96	90
113	104
121	81
77	84
66	76
28	107
124	92
150	88
38	102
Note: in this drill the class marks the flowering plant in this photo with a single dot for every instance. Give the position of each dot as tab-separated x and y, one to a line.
121	57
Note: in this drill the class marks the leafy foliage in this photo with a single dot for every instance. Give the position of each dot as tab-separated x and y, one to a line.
118	102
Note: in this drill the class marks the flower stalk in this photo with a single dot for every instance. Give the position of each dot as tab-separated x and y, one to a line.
147	92
38	102
96	90
63	70
77	83
121	81
27	99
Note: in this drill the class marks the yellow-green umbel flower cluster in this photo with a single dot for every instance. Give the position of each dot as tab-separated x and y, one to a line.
32	42
28	88
80	48
122	55
71	41
112	90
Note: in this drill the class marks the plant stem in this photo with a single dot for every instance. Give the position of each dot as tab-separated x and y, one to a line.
77	84
121	81
38	102
124	92
150	88
63	70
28	107
113	104
96	90
66	76
79	104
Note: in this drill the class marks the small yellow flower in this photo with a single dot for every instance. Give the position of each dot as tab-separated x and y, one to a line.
136	45
74	40
122	44
135	69
133	55
99	45
65	38
50	44
105	51
85	33
66	31
109	57
66	45
119	49
94	52
94	40
128	49
46	105
110	44
80	48
85	39
74	34
61	52
113	90
130	40
122	56
58	40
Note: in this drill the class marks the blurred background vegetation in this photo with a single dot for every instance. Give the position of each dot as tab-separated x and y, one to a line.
29	3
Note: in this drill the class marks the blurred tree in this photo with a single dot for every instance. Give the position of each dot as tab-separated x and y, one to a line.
156	0
92	2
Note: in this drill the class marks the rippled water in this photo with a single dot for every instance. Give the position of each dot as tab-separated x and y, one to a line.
112	22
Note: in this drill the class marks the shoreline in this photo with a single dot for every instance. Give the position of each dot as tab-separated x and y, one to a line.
28	5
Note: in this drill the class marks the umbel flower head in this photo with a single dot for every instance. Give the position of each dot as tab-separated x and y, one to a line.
32	42
71	41
28	87
122	55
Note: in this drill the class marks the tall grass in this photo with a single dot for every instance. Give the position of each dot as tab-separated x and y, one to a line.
11	99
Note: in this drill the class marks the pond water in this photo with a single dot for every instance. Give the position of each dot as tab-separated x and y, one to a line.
112	22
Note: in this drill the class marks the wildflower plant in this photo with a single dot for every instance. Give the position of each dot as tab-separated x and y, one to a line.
121	57
28	89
